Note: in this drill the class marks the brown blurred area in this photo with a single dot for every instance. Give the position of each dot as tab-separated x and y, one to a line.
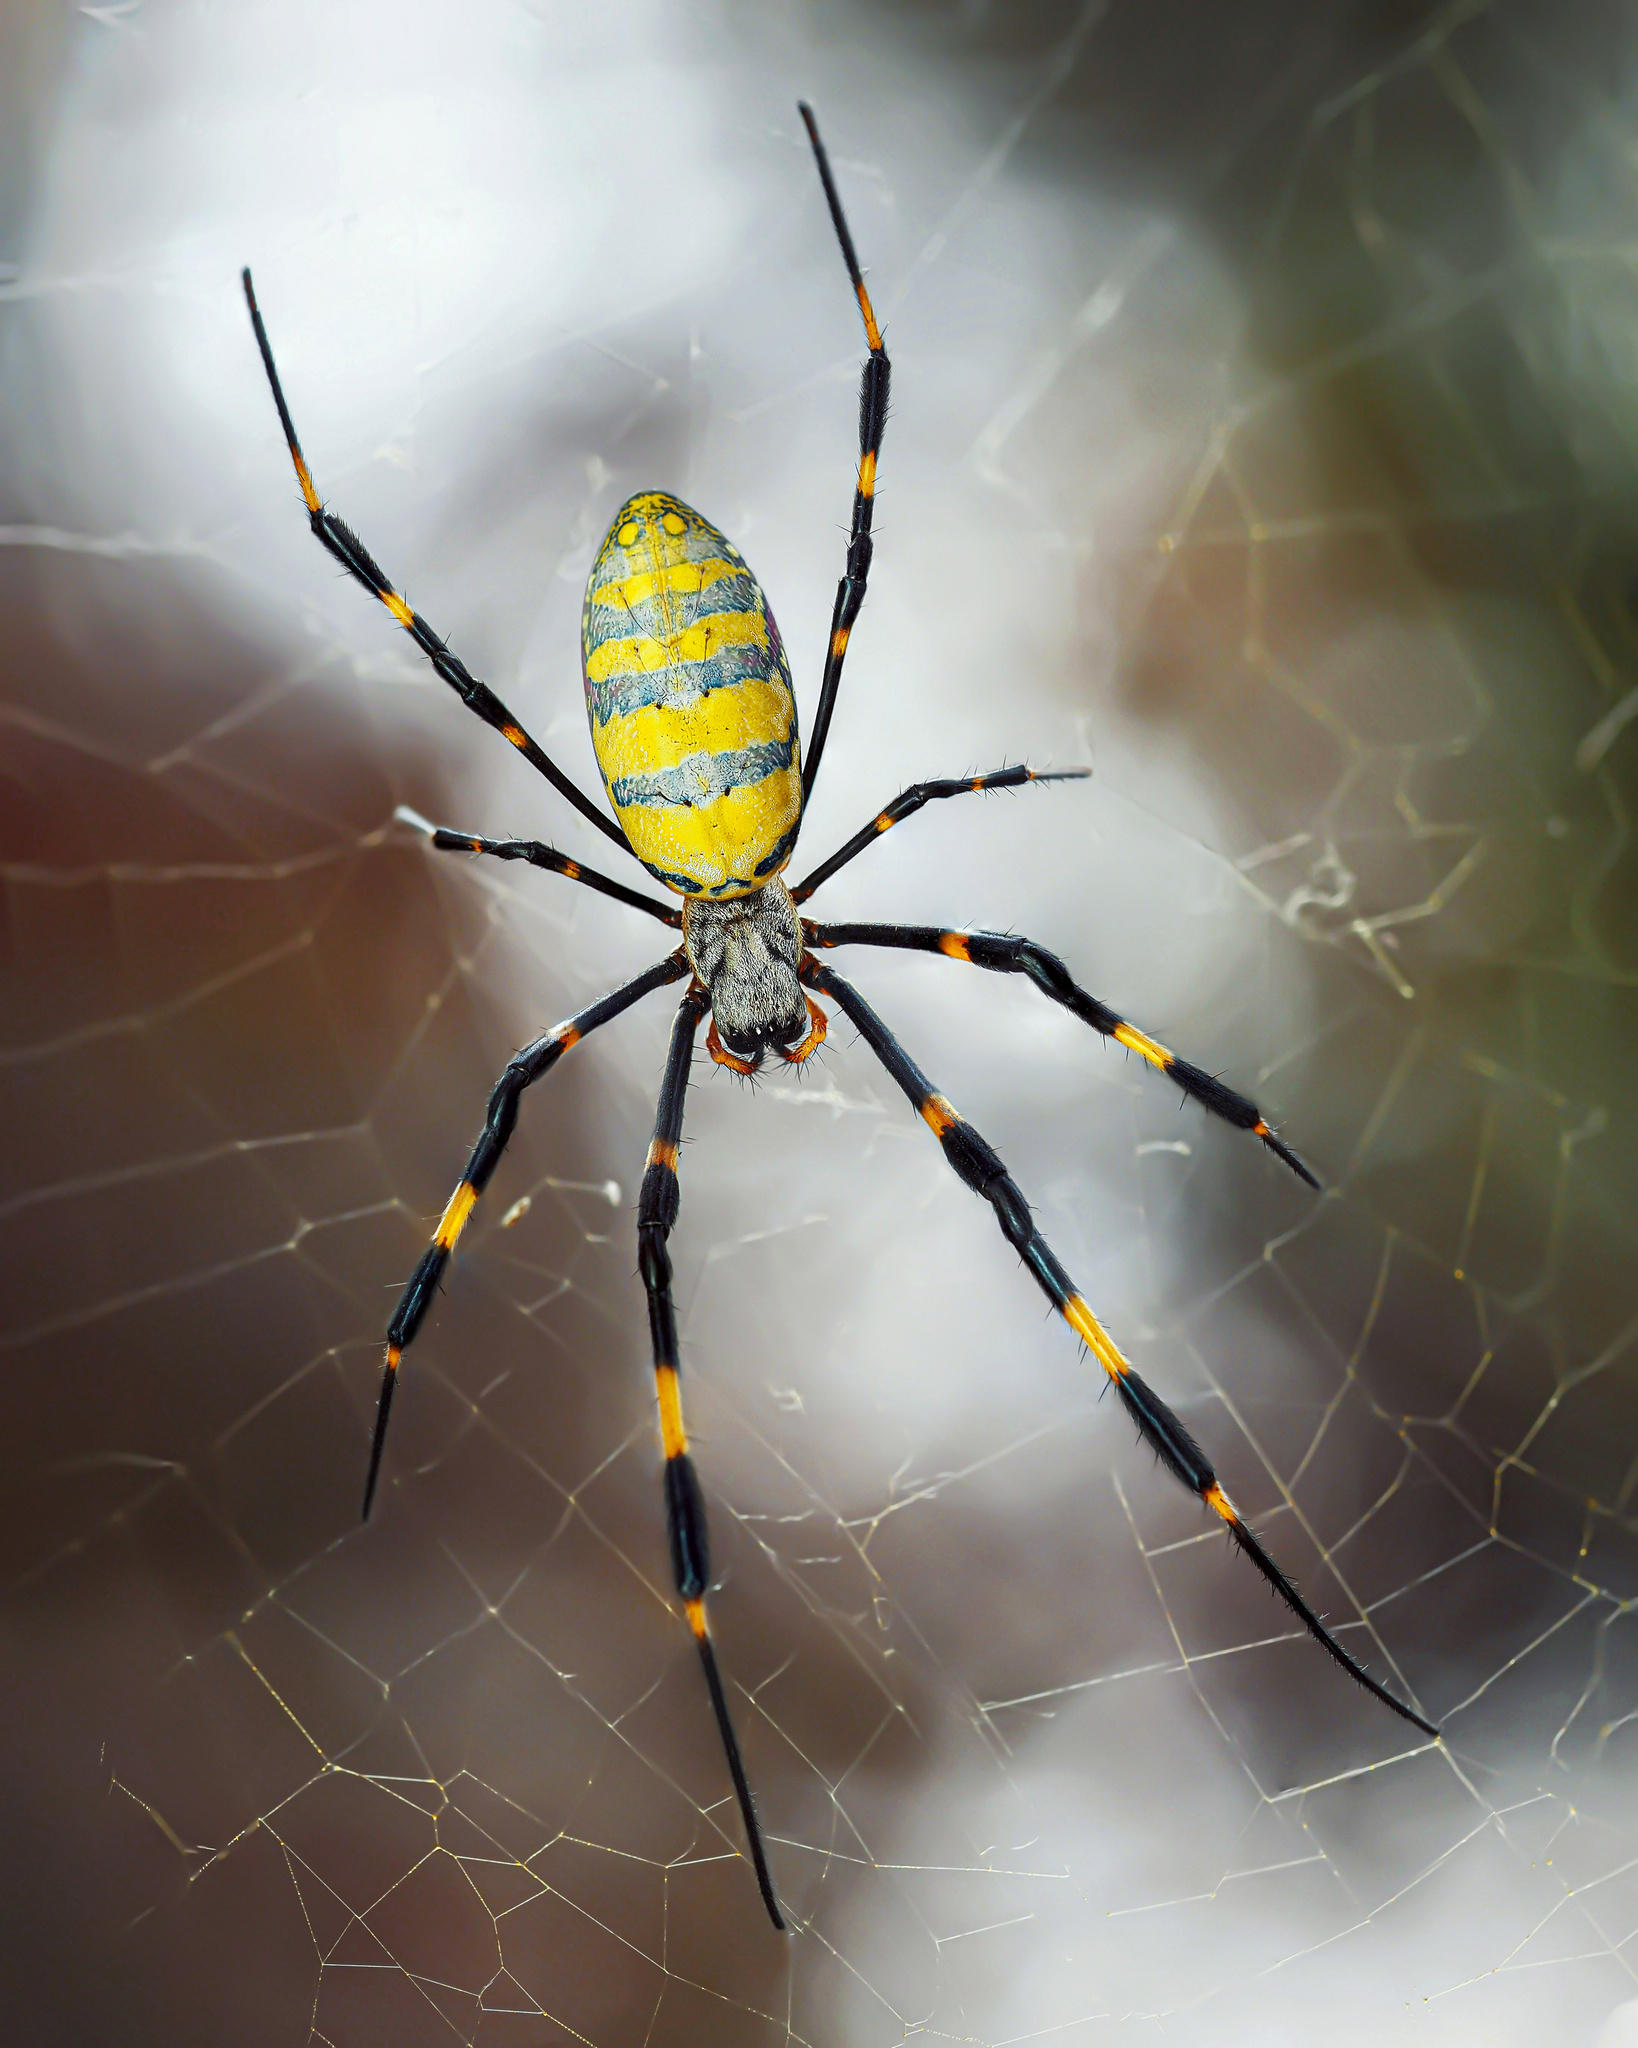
1265	421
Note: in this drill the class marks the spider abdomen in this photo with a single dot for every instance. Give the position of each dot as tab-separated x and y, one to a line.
688	691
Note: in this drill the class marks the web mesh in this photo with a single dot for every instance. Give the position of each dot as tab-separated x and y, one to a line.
1264	432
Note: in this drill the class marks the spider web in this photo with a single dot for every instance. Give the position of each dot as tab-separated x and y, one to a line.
1264	434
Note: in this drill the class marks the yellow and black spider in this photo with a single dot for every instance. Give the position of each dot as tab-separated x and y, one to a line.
694	726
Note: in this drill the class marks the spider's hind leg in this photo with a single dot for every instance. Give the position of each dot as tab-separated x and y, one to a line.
449	839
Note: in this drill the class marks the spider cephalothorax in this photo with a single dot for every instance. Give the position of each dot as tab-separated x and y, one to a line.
747	950
693	722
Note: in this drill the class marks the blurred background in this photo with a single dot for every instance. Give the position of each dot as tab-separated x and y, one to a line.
1266	401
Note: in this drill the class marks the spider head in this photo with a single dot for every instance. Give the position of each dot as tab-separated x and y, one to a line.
746	951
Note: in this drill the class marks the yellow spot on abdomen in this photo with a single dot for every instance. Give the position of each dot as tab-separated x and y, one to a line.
627	536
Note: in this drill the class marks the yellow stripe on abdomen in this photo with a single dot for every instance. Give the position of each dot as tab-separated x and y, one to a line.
676	841
660	736
688	691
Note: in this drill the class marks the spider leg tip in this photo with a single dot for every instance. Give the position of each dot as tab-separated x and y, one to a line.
1283	1152
405	816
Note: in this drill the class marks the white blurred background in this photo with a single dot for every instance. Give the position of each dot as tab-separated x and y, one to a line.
1263	433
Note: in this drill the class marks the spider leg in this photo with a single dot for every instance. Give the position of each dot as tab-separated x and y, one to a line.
1007	955
499	1123
448	840
873	383
982	1170
355	558
657	1206
909	801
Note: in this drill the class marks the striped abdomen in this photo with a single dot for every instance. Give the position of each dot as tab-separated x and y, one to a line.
689	695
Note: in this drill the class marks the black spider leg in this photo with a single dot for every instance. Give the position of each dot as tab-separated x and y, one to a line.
355	558
657	1205
448	840
1007	955
909	801
850	592
500	1121
981	1168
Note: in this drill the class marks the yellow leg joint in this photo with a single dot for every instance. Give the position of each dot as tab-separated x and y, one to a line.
1095	1337
939	1116
818	1025
1216	1499
873	334
304	477
1140	1042
673	1437
453	1221
695	1610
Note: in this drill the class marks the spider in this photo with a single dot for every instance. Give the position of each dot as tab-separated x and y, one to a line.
694	726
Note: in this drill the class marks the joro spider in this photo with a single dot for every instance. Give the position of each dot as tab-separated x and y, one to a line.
693	722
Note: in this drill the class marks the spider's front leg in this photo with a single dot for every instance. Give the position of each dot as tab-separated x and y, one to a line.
981	1167
1004	954
657	1205
522	1071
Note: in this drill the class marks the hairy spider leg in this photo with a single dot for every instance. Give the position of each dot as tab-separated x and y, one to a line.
873	384
1008	955
909	801
355	558
977	1163
448	840
500	1120
657	1205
